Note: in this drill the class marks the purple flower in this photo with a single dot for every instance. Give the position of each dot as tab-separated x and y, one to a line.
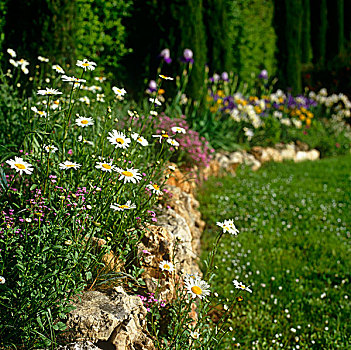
263	74
225	76
215	78
166	55
152	85
187	56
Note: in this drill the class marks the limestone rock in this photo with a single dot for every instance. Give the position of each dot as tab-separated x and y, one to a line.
252	162
86	345
288	153
113	321
310	155
179	179
273	154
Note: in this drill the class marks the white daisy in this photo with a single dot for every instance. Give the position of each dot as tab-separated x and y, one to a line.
55	104
119	92
129	175
122	207
154	188
173	142
179	130
105	166
43	59
20	165
36	111
85	64
240	285
24	70
139	139
50	149
2	280
85	99
12	53
69	165
58	69
197	288
195	334
49	91
165	77
100	97
166	266
84	121
155	101
22	62
154	113
81	139
13	62
164	135
118	139
228	226
100	79
72	79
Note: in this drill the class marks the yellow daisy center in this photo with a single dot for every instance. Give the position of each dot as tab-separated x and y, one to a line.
196	290
165	135
106	166
156	187
127	173
120	141
140	139
84	121
56	102
166	266
41	112
69	165
85	64
20	166
124	206
242	286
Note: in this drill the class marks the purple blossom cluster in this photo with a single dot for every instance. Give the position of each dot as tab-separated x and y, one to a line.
151	301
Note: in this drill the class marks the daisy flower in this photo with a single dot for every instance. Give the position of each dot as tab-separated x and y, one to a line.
12	53
129	175
155	101
228	226
50	149
139	139
163	135
13	62
100	97
2	280
36	111
166	266
240	285
81	139
20	165
43	59
154	113
122	207
55	104
22	62
195	334
72	79
24	70
85	64
85	99
118	139
165	77
119	92
69	165
197	288
179	130
154	188
49	91
173	142
100	79
58	69
84	121
105	166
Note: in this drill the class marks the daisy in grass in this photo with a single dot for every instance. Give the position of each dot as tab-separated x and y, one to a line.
81	139
155	101
119	92
166	266
197	288
164	135
122	207
195	334
2	280
85	99
66	78
24	70
58	69
20	165
12	53
85	64
13	62
240	285
179	130
118	139
84	121
105	166
129	175
165	77
50	149
100	79
139	139
173	142
36	111
154	188
228	226
22	62
55	104
154	113
49	92
69	165
43	59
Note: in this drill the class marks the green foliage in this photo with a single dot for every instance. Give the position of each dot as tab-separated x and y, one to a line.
306	47
252	36
269	134
293	250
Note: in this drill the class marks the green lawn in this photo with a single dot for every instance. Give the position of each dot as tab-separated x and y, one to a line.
293	250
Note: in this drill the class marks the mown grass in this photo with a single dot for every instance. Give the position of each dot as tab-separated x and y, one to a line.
293	251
